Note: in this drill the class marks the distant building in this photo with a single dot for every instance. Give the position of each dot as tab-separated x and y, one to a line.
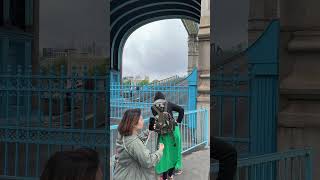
80	63
135	80
146	78
54	52
74	58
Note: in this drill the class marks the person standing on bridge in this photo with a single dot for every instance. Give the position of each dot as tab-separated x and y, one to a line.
172	157
133	159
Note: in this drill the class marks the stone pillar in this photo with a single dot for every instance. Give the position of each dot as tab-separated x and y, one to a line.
203	99
193	52
299	77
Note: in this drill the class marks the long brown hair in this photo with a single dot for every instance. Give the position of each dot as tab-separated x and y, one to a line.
129	120
80	164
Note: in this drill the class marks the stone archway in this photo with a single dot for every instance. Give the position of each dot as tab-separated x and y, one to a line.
127	16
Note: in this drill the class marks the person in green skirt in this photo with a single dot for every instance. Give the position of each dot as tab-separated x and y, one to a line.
172	158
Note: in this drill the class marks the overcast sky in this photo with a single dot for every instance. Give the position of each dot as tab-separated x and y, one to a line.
229	22
66	25
158	49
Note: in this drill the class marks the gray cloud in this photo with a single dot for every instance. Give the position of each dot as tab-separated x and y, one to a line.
230	22
68	23
158	49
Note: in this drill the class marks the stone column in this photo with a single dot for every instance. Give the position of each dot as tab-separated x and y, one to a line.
299	77
203	99
193	52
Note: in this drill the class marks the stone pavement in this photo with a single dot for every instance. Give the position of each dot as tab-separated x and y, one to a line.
195	166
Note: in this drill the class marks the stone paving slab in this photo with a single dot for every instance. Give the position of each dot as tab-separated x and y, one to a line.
195	166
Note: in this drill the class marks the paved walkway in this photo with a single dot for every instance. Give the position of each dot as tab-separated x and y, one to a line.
195	166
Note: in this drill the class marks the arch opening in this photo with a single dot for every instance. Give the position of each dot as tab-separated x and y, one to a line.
128	16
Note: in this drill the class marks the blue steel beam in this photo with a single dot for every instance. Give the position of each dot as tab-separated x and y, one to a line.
127	14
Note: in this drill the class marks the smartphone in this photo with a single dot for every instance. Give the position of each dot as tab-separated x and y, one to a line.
151	123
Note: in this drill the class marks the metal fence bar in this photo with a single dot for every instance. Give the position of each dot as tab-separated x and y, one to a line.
35	123
46	112
309	166
267	162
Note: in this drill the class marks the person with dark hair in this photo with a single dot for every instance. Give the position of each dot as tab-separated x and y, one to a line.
80	164
172	157
226	154
133	159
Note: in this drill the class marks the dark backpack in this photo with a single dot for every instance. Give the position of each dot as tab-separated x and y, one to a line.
165	123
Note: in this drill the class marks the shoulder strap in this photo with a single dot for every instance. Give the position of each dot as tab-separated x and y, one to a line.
166	106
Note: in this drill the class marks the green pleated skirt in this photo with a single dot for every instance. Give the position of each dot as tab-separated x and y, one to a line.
172	157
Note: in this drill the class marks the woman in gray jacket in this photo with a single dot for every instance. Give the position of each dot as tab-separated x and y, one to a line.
133	159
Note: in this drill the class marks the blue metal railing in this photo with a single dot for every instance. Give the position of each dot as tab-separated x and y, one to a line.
177	90
246	94
289	165
45	112
143	98
40	114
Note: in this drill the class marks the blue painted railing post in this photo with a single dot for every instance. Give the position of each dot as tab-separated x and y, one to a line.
192	85
112	95
4	49
263	59
111	77
27	53
206	135
309	165
192	104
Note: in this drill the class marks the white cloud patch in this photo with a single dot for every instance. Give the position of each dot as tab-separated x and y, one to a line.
158	49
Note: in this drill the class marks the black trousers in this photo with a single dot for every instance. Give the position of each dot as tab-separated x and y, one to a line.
227	157
167	174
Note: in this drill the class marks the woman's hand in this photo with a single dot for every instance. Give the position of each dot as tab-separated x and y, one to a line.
161	147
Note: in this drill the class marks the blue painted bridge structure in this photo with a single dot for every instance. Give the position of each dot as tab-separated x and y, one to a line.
40	114
244	92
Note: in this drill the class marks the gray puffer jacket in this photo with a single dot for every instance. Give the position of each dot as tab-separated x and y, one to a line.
134	160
